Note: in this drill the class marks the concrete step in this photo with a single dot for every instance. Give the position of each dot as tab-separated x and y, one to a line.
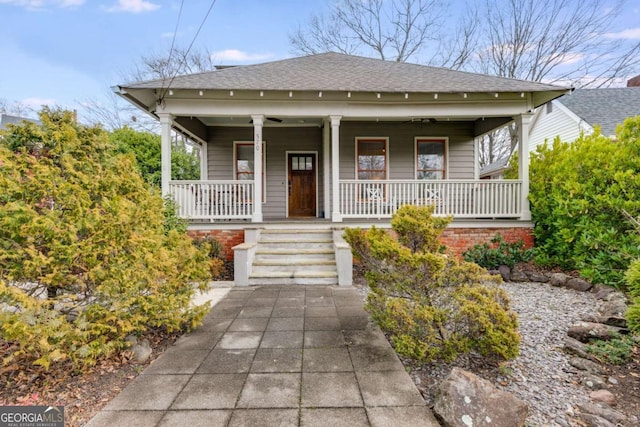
306	281
296	234
292	269
294	278
293	251
289	261
297	245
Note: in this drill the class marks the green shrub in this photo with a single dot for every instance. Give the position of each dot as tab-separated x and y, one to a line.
216	252
632	277
491	256
578	194
86	256
617	351
433	306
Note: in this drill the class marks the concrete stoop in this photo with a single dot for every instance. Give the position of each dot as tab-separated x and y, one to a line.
294	257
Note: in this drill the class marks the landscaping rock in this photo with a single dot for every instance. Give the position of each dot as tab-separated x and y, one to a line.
586	365
601	292
594	382
534	276
607	413
573	346
578	284
604	396
614	307
587	331
590	420
559	279
465	399
141	351
617	321
518	276
505	272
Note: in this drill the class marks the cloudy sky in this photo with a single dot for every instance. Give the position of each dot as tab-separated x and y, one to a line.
65	52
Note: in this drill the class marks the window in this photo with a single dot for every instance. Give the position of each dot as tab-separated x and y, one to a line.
431	158
371	158
244	162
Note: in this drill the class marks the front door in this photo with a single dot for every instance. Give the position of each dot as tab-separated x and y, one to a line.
302	184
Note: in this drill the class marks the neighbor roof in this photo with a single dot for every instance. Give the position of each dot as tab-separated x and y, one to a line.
6	119
497	166
604	107
339	72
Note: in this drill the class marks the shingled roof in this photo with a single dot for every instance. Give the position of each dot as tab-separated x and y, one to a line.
339	72
604	107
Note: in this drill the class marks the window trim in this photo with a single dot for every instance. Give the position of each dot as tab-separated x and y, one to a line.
264	164
445	163
384	139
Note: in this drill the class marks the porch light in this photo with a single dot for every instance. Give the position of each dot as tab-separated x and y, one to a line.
406	95
435	96
378	95
320	94
201	93
464	95
261	93
290	94
521	94
230	93
348	94
170	93
496	94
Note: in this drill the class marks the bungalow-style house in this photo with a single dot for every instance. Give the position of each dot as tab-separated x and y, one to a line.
297	149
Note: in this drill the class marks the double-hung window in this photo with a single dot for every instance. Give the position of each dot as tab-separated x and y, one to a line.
372	158
431	158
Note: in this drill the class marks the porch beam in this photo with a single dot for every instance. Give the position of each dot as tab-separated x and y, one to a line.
523	122
336	216
165	152
258	122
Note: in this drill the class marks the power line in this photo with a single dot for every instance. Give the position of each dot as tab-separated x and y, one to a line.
163	94
173	41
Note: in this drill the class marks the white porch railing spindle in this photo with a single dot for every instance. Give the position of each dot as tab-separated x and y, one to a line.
459	198
213	199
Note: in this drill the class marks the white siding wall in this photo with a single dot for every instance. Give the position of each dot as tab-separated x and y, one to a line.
550	125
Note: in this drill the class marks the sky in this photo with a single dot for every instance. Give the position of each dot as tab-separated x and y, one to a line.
67	52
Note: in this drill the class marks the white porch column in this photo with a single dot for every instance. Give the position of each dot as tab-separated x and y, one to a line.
204	167
258	121
523	121
336	216
165	151
326	163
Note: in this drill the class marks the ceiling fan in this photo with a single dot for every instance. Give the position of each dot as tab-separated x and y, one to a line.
421	120
271	119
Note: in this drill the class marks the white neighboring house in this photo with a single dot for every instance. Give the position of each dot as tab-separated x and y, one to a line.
6	119
568	116
582	110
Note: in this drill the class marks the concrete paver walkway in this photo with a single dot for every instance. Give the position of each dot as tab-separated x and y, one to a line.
275	356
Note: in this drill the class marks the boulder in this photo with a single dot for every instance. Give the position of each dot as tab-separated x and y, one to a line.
505	272
604	412
578	284
464	399
586	365
613	307
594	382
617	321
587	331
601	292
604	396
534	276
518	275
559	279
573	346
590	420
141	351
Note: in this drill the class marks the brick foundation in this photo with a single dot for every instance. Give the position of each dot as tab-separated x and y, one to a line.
228	238
458	240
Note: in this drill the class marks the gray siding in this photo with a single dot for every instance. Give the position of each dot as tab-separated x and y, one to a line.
401	146
280	140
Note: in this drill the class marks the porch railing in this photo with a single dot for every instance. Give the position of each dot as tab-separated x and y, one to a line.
459	198
213	199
